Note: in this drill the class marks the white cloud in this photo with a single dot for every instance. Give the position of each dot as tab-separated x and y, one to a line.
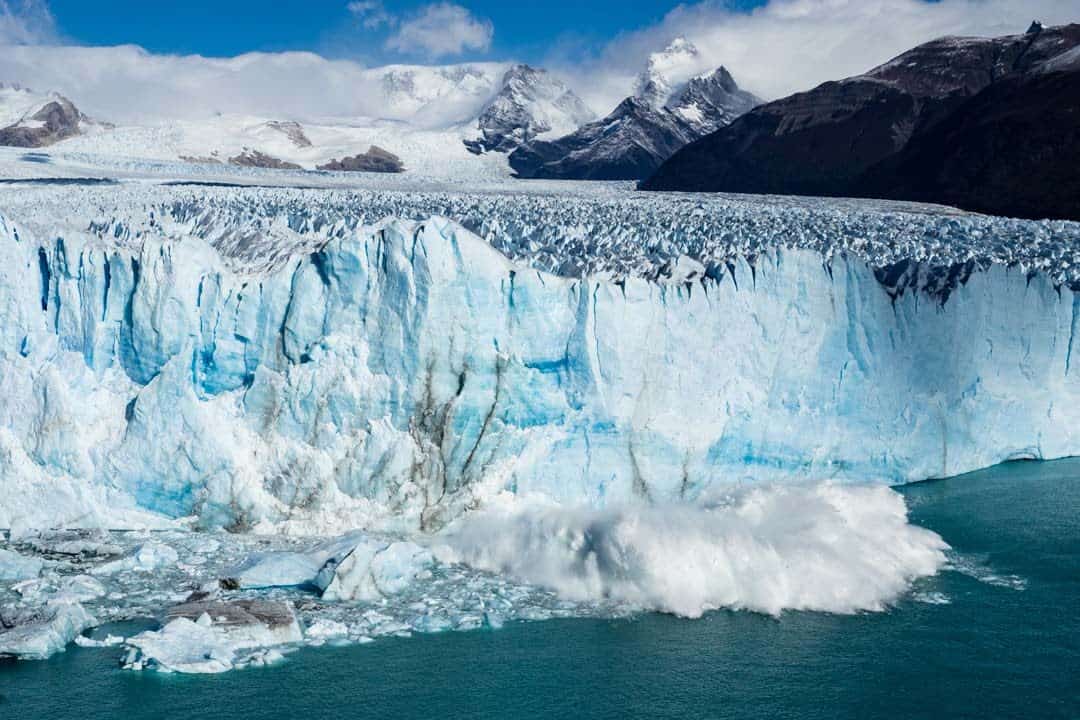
442	29
792	45
26	22
127	84
371	14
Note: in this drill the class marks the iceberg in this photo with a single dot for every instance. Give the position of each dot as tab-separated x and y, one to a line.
214	637
375	570
37	633
313	568
397	375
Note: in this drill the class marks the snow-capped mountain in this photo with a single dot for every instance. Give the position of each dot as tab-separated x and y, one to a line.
711	102
670	108
33	120
433	119
420	114
435	96
667	71
531	103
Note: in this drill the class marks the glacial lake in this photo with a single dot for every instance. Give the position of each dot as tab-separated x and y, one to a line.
998	635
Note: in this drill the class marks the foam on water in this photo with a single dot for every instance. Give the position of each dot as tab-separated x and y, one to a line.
768	549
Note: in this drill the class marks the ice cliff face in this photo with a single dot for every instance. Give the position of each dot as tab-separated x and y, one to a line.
404	372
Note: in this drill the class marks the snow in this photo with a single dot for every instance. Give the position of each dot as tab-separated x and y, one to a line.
668	69
423	151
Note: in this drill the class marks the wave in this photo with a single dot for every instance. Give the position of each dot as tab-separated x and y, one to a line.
771	548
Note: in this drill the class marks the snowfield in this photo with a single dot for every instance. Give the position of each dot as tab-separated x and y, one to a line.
335	408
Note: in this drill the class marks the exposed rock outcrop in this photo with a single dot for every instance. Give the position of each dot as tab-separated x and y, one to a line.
374	160
257	159
56	120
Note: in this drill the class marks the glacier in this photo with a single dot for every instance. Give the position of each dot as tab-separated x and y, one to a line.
402	372
397	411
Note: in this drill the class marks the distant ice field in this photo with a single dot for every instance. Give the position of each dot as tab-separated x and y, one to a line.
255	218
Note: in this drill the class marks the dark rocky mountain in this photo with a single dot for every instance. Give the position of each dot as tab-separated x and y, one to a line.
642	132
712	102
628	144
258	159
57	119
531	102
987	124
374	160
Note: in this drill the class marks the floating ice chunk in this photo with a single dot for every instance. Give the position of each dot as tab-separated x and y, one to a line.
374	570
295	569
430	623
182	646
325	629
214	637
276	569
827	547
14	566
147	557
52	588
107	641
78	588
37	633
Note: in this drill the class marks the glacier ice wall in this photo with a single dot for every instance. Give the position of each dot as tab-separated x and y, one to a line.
406	371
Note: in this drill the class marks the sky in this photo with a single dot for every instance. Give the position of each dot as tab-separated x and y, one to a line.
174	58
340	28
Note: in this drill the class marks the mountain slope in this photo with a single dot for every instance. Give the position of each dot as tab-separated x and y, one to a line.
626	145
31	120
853	136
1013	149
531	102
665	114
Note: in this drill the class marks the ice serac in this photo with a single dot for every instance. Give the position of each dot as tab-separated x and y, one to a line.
406	372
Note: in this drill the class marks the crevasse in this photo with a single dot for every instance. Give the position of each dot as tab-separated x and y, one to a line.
405	372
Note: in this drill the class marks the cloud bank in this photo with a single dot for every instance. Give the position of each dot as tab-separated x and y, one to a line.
780	48
792	45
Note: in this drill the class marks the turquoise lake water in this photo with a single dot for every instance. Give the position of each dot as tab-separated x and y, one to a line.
999	637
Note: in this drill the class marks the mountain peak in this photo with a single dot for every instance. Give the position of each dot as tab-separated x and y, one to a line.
667	70
530	102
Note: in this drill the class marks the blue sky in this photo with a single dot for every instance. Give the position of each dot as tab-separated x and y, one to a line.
526	30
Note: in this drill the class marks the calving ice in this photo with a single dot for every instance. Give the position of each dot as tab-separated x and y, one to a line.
398	374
